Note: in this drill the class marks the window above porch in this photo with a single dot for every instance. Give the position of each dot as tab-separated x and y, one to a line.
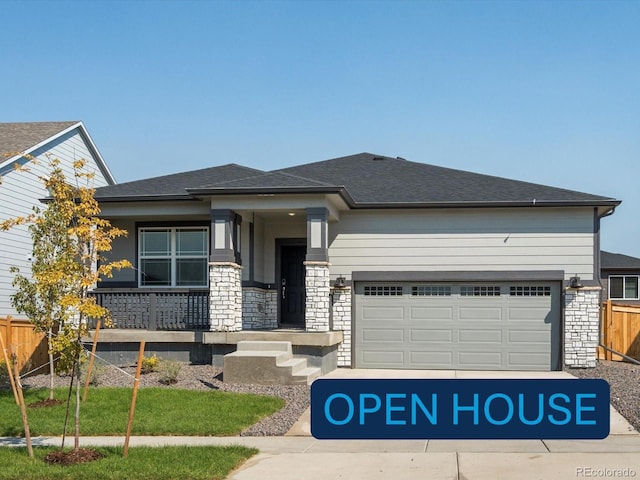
173	256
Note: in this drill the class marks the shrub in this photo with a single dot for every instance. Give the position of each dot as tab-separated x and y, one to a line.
149	364
97	373
169	371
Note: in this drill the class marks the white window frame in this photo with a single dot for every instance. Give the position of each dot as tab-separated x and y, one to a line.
172	254
624	290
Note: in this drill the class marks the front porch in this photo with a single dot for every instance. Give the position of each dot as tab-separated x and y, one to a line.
120	345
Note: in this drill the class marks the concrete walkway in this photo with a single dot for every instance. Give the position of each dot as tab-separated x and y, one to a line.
299	456
283	458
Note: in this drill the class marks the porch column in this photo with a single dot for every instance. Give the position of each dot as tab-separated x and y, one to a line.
581	326
317	302
225	272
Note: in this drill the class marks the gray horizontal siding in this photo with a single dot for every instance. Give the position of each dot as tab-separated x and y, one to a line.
476	240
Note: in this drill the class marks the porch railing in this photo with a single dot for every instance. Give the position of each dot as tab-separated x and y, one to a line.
156	310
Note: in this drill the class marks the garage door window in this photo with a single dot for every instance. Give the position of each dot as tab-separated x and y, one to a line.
530	291
479	291
383	291
431	291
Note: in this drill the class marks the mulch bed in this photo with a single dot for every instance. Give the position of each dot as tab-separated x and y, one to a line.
73	457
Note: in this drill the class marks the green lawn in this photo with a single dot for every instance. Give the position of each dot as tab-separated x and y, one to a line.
141	463
159	411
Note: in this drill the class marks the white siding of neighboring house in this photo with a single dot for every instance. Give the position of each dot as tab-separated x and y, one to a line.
460	240
19	192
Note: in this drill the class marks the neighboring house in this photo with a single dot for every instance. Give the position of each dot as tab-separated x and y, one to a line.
21	191
620	276
362	261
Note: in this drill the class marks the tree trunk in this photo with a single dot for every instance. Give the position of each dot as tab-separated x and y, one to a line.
77	373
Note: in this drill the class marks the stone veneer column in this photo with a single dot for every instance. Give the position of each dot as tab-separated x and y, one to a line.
225	297
341	312
316	313
581	326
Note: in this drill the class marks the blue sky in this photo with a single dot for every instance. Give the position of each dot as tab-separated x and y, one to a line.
547	92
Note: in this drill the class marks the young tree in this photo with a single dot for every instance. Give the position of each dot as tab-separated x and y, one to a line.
69	238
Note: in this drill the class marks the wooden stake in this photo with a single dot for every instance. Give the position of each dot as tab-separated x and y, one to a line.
91	359
8	363
136	384
23	411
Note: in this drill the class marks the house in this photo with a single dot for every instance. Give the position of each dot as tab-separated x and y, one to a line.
361	261
20	192
620	275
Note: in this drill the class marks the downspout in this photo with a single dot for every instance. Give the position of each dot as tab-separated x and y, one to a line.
598	276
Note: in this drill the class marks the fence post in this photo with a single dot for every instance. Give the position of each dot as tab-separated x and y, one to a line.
153	319
609	355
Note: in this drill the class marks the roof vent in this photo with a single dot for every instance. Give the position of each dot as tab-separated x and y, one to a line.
377	159
400	158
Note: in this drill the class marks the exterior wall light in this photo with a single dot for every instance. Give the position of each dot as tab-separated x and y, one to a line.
574	282
341	282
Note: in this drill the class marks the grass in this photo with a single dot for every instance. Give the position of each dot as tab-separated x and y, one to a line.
161	463
159	411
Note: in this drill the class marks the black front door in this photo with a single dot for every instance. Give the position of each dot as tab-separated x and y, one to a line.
292	288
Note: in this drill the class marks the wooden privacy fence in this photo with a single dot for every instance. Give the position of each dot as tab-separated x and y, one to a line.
620	331
20	339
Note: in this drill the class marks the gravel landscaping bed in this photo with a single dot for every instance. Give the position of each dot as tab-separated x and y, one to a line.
624	379
203	377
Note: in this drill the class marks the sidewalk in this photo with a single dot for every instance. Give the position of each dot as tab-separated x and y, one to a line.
295	458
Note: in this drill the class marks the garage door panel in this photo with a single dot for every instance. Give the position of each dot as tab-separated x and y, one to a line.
473	360
480	336
382	335
435	336
529	336
501	326
527	361
382	313
442	314
382	358
431	359
528	313
479	313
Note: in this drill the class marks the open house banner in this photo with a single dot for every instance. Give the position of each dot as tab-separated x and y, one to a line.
460	409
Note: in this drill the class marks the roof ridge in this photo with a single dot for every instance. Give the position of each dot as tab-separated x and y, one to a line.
266	174
324	184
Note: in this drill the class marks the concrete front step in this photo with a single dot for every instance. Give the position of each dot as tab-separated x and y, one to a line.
256	345
267	363
306	376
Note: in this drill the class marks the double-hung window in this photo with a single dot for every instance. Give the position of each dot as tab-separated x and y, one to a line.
173	257
623	287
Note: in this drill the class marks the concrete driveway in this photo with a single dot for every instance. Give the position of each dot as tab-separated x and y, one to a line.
308	458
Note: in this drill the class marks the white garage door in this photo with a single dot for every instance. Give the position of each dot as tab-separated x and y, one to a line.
468	326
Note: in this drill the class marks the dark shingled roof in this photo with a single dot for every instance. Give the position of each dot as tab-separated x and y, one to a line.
18	137
617	261
175	185
374	179
364	180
